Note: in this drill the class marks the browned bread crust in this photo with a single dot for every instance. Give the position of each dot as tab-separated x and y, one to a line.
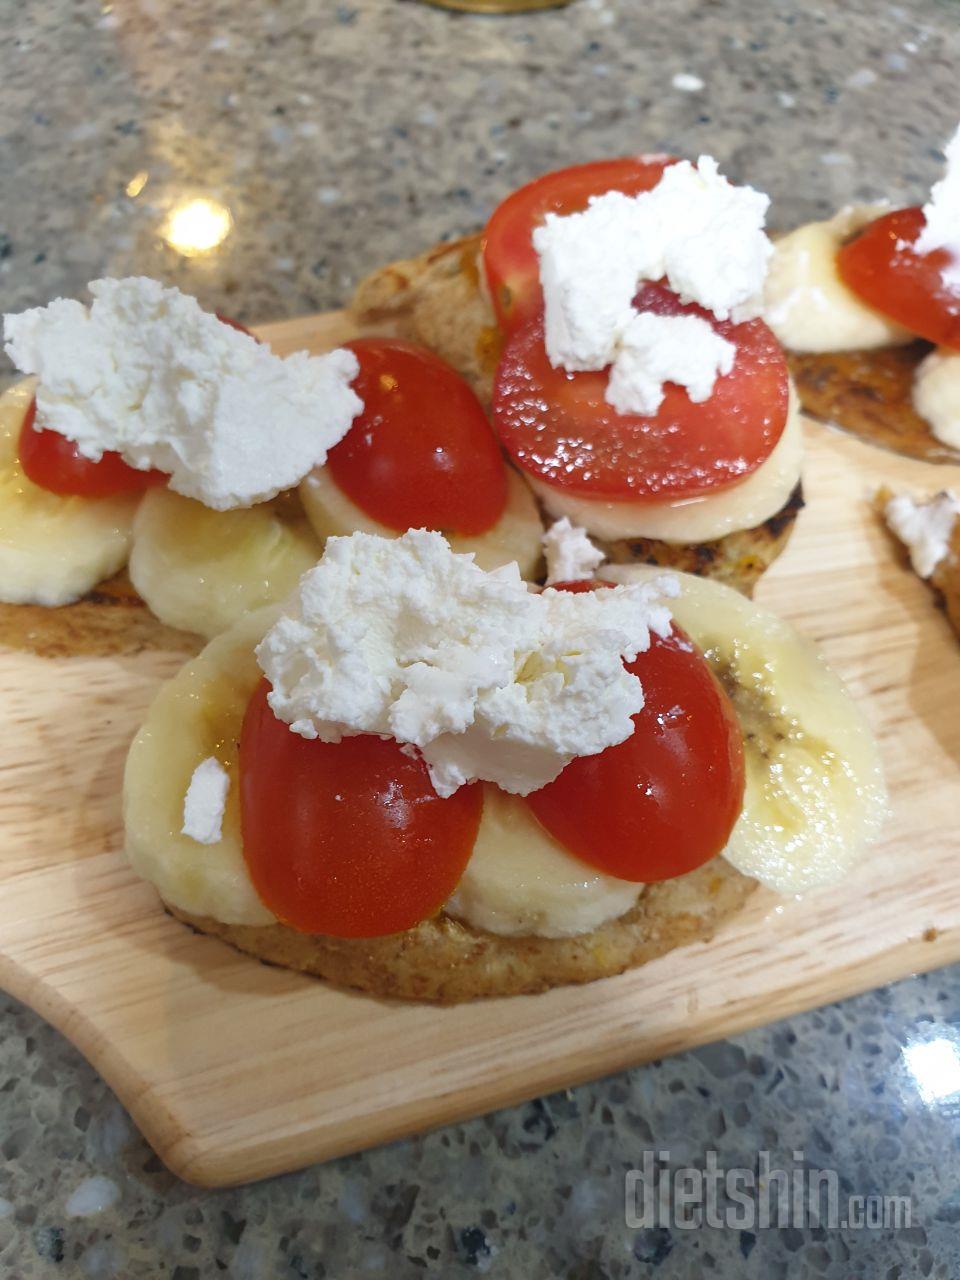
870	394
446	961
738	560
111	619
945	579
436	299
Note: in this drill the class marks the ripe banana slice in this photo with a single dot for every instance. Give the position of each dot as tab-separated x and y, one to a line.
515	536
53	549
201	570
521	881
806	303
815	796
195	715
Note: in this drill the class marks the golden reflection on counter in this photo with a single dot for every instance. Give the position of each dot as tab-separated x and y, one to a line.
136	184
197	226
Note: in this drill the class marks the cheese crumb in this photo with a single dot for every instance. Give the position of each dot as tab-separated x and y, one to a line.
147	373
656	349
941	230
489	680
205	802
571	556
936	394
694	228
925	527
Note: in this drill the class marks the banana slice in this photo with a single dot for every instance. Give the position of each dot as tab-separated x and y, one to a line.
806	303
521	881
53	549
195	715
815	796
201	570
515	536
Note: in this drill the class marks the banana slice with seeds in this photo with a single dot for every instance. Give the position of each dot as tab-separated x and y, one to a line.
53	549
815	796
515	536
201	570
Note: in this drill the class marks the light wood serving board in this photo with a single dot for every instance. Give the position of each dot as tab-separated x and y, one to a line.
234	1070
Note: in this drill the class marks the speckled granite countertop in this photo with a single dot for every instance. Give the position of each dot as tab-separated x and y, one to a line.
338	136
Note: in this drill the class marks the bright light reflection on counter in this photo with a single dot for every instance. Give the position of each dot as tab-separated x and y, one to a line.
935	1066
197	226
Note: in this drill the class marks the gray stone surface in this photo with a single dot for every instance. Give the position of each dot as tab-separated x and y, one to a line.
341	135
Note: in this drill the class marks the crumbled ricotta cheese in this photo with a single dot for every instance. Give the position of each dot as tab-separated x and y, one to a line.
406	639
941	229
694	228
205	802
925	527
657	349
936	394
571	556
144	371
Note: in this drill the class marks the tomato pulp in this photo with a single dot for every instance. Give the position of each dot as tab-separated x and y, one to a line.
348	838
664	801
421	454
510	260
558	427
882	266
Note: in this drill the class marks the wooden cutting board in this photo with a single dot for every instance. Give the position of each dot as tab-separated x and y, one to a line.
235	1071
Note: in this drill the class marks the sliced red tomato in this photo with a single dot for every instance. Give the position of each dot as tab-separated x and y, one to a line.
421	454
510	260
53	462
883	268
349	838
664	801
558	427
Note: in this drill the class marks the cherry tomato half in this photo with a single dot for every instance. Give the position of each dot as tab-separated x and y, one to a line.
664	801
55	463
510	260
348	838
883	268
558	426
421	454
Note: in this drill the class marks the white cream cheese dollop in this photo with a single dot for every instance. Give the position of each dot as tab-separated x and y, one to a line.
144	371
808	306
925	527
406	639
205	802
936	394
697	230
570	555
941	229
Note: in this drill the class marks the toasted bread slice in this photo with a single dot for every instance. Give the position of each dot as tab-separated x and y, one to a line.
945	579
112	619
737	560
870	394
437	299
445	961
